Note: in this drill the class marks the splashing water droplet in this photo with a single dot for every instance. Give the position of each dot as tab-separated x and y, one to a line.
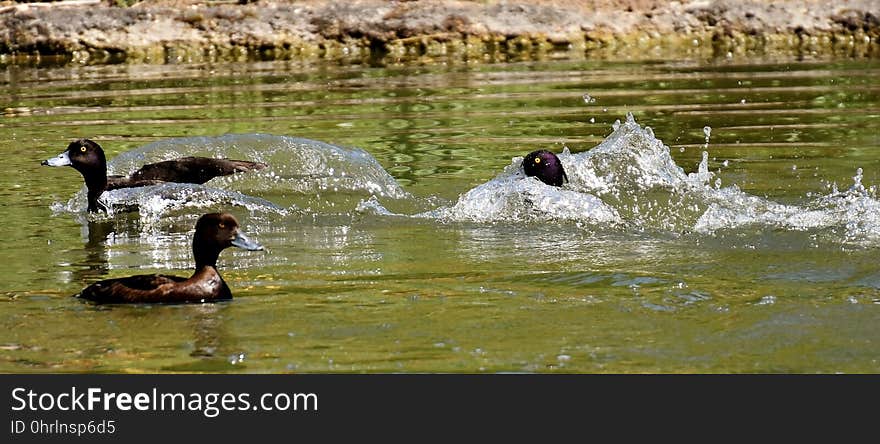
588	99
857	182
767	300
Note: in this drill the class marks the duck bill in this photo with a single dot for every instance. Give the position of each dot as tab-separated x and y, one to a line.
60	160
242	241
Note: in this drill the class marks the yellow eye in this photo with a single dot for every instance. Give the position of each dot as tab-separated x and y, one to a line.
222	225
537	160
82	148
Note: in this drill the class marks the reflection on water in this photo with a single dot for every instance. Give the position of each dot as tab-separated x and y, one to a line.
402	236
95	265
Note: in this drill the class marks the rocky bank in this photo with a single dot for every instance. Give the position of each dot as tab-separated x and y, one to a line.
95	31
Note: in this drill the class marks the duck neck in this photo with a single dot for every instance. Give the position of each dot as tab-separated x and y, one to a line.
205	254
92	197
96	183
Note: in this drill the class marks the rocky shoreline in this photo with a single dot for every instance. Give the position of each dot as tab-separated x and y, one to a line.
94	31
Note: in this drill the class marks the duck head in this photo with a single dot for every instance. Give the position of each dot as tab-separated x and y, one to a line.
545	166
83	155
214	233
88	158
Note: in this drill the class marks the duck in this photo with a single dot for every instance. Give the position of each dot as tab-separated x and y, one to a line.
214	233
87	157
545	166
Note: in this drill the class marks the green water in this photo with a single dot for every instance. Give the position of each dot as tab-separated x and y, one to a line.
343	291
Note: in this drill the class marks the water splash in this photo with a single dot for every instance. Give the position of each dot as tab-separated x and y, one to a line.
372	206
514	197
630	182
295	164
703	175
601	184
157	201
857	186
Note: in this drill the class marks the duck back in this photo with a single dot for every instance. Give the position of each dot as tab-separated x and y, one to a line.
196	170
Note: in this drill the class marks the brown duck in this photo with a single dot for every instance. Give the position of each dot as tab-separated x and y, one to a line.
214	233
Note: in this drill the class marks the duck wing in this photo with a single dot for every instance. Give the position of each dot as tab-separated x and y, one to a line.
141	288
193	169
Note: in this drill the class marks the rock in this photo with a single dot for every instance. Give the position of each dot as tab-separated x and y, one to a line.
181	31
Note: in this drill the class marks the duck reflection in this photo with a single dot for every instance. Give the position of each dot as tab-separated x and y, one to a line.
207	331
95	264
98	236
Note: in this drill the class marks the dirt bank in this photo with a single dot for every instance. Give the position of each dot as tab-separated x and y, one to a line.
389	31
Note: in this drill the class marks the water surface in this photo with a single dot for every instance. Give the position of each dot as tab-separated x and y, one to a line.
402	237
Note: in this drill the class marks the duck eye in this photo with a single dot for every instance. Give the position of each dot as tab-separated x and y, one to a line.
83	149
537	160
